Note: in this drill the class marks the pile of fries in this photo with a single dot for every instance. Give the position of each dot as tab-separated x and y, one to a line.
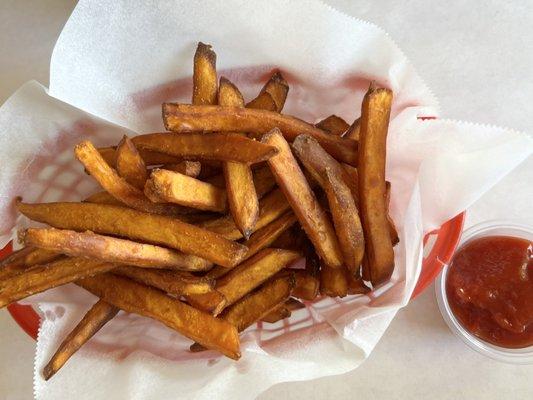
198	227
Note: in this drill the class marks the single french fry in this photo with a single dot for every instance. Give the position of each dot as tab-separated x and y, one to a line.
172	282
356	284
104	198
206	146
106	248
108	178
149	157
277	314
130	164
256	305
98	315
351	178
189	118
346	220
216	272
311	216
333	281
136	225
189	168
277	88
353	131
204	78
293	304
23	259
333	124
264	101
253	272
395	238
47	276
272	206
134	297
212	302
173	187
264	181
371	168
241	194
265	236
306	285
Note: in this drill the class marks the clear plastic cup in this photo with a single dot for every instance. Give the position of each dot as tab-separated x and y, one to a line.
489	228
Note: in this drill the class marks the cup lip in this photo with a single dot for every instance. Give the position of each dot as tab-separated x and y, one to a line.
486	228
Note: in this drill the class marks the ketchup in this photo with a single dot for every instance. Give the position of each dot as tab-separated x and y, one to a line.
490	290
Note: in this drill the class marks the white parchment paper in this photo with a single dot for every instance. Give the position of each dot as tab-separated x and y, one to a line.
113	66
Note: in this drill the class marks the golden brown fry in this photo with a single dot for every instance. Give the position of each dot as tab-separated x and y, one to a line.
351	178
311	216
265	236
333	281
333	124
47	276
104	198
149	157
372	154
23	259
133	297
244	278
242	196
356	284
306	285
256	305
99	315
204	78
112	249
277	314
354	130
291	239
212	302
216	272
188	118
272	206
172	282
136	225
173	187
130	165
346	220
189	168
395	238
276	88
264	181
117	186
206	146
293	304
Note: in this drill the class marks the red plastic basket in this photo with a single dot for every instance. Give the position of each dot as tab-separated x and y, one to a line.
439	246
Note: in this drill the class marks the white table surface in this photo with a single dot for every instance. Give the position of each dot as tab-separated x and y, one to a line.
477	56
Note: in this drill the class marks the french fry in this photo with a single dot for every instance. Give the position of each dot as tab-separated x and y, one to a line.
136	225
356	284
209	169
306	285
333	281
372	154
104	198
333	124
106	248
99	315
172	282
47	276
244	278
133	297
276	88
293	304
189	168
256	305
346	220
130	165
291	239
351	178
204	78
241	194
353	131
272	206
395	238
264	181
277	314
206	146
212	302
312	218
189	118
117	186
265	236
172	187
149	157
23	259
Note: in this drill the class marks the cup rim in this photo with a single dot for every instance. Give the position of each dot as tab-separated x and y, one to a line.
514	356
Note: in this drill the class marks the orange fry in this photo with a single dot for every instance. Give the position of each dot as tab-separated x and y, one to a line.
333	124
277	314
189	118
130	165
333	281
276	89
149	157
354	130
204	78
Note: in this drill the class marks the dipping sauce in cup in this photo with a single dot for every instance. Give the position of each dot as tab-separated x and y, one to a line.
490	289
